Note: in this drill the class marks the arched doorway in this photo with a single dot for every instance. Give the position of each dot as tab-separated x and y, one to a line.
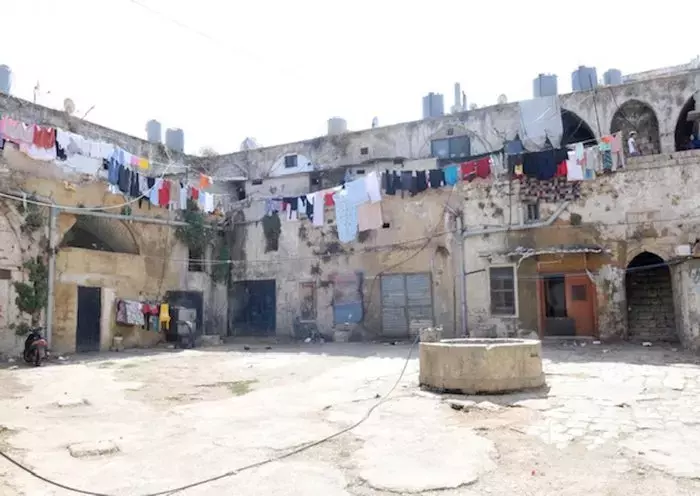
650	309
637	116
685	128
95	233
575	129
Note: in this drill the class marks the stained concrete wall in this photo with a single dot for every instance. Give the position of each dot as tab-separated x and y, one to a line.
649	206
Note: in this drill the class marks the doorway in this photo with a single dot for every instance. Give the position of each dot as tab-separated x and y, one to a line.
650	310
87	333
253	308
567	305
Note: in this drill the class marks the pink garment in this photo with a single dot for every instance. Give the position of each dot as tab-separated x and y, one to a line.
616	144
369	216
16	131
134	161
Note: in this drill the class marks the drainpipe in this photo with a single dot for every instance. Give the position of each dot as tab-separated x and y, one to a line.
462	278
522	227
53	214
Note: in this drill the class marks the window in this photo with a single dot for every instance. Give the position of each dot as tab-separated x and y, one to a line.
195	261
364	151
290	161
360	172
457	147
578	292
5	274
307	293
502	288
532	211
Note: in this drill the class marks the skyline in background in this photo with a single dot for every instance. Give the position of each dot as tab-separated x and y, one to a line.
277	71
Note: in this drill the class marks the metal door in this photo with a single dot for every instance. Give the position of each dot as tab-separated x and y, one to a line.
407	304
87	333
580	304
253	308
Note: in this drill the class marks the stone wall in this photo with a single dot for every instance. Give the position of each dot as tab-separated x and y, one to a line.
649	206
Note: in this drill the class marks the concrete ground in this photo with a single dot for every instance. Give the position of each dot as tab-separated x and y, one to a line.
613	421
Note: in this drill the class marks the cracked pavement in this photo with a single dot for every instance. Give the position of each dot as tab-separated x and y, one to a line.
613	420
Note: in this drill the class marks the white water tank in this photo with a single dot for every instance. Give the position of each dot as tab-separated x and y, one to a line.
175	139
154	131
337	125
5	79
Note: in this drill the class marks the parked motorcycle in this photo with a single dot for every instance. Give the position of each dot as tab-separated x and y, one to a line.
35	347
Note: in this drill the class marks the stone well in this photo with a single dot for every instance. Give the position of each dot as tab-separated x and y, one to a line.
472	366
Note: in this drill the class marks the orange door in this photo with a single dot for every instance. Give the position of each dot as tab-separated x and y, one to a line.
580	304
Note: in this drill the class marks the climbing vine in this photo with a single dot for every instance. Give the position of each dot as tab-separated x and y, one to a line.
198	235
33	217
32	295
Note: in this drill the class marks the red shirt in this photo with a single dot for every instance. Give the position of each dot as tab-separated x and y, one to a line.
476	168
562	170
44	137
164	194
328	199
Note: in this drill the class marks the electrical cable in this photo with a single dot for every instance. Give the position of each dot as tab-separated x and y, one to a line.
237	471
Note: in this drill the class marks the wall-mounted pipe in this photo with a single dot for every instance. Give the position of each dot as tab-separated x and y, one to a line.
521	227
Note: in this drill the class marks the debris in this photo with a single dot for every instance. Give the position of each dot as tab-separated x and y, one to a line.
62	358
596	342
100	448
268	347
674	349
11	360
246	348
461	404
533	472
582	345
14	367
622	405
646	344
488	406
307	340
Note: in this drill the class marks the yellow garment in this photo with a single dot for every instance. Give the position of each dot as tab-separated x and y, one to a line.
165	315
143	163
518	170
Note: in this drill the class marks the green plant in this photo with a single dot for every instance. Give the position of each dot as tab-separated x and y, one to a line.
195	235
21	328
33	217
32	295
221	270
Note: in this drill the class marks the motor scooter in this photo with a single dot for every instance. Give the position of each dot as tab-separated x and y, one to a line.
35	347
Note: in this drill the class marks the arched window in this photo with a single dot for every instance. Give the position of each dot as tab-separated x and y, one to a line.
637	116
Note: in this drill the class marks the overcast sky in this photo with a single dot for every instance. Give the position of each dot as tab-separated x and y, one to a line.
276	70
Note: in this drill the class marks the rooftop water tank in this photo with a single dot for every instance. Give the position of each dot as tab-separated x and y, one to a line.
544	85
612	77
433	105
337	125
584	78
154	131
175	139
5	79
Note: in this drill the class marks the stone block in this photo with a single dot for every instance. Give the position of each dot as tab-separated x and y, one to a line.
92	449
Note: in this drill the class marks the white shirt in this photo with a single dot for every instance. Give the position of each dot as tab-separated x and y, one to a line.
631	145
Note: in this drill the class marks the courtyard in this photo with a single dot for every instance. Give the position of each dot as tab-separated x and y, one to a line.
613	420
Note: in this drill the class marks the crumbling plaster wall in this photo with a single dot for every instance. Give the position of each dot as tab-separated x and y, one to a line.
314	254
650	206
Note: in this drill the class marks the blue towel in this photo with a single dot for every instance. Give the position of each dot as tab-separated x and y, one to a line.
451	175
345	216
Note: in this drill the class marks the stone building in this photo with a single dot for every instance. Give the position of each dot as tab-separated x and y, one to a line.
615	261
618	256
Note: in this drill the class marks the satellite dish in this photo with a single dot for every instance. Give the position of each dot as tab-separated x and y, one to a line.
68	106
473	106
502	99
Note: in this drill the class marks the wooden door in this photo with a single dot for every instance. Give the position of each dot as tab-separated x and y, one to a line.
580	304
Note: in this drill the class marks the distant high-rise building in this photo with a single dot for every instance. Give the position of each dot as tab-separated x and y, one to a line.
433	105
544	85
584	78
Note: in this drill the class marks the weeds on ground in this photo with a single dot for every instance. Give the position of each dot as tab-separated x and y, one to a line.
237	388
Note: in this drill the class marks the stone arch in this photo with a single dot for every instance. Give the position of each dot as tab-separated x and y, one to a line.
650	308
97	233
638	116
478	144
575	129
684	127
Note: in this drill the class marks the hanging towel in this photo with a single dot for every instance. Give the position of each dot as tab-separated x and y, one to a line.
154	192
183	197
372	187
388	183
406	180
497	166
451	175
540	119
574	171
436	177
476	168
164	193
421	181
45	137
369	216
319	209
345	216
204	181
357	191
143	185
